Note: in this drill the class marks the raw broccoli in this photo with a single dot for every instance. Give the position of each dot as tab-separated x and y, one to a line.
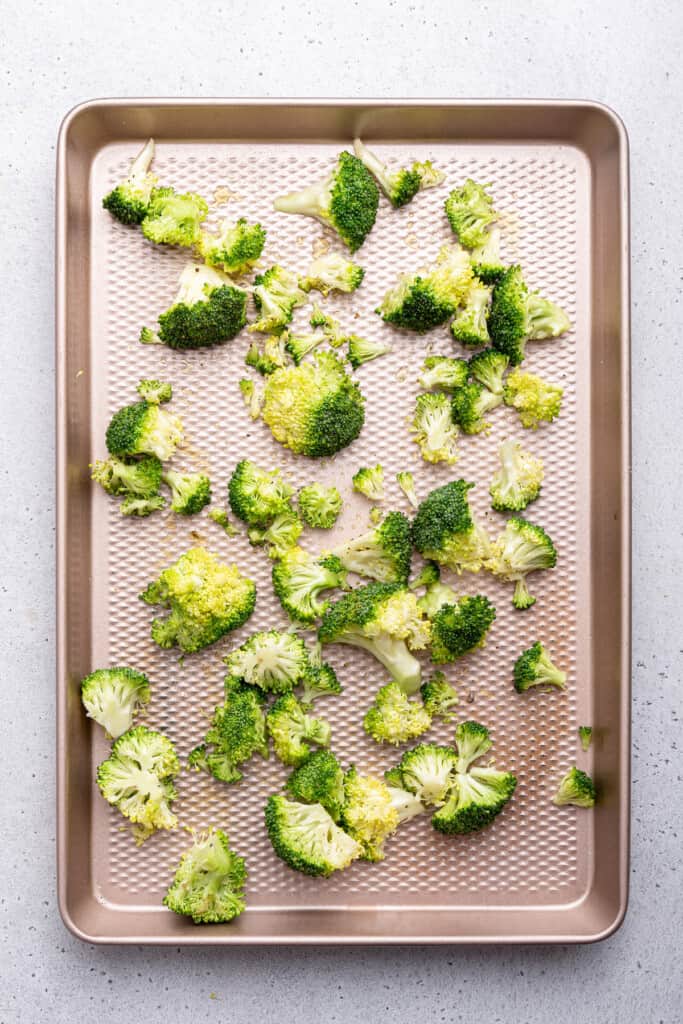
332	272
534	668
111	696
435	432
429	573
319	506
438	697
292	730
320	681
253	396
382	618
368	814
470	404
331	328
488	368
270	356
369	481
406	482
575	788
405	804
207	599
518	315
299	345
346	200
156	391
459	628
402	185
520	549
256	495
585	736
137	777
276	295
485	258
221	518
421	301
144	429
443	373
237	732
190	491
436	595
141	477
282	534
174	218
470	324
361	350
132	505
129	200
393	718
445	531
208	310
306	838
382	554
209	880
299	579
533	398
319	780
470	211
235	249
274	661
426	771
314	409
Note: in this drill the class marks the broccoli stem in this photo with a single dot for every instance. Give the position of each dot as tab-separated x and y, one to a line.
307	201
395	656
143	161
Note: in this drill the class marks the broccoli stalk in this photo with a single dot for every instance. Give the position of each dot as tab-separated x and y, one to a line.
253	396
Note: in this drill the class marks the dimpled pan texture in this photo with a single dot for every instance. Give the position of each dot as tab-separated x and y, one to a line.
558	175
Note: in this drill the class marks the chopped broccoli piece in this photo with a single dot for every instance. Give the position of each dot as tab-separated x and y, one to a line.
332	272
276	295
445	531
331	328
319	506
435	432
533	398
534	668
174	218
155	391
470	211
207	600
320	681
362	351
575	788
382	554
299	579
256	495
190	491
443	373
406	482
111	696
306	838
393	718
208	310
346	200
472	741
368	814
438	697
269	357
470	404
419	302
300	345
430	573
209	880
141	477
518	315
406	805
282	534
221	518
137	778
485	258
132	505
520	549
144	429
253	396
436	595
235	249
319	780
459	628
585	736
274	661
426	771
292	730
129	200
369	481
488	368
237	732
402	185
470	324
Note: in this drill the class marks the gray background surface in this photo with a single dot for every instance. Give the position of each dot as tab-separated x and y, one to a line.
54	56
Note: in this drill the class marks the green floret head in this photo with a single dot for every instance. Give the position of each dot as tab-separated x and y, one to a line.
174	218
346	200
445	531
470	211
477	797
319	780
472	741
520	549
293	731
488	368
314	409
534	668
435	432
300	345
144	429
221	518
459	628
281	535
256	495
276	296
534	399
369	481
443	373
470	324
518	481
429	574
382	554
319	681
319	506
368	813
209	881
111	696
575	788
401	185
438	697
140	477
156	391
393	718
274	661
129	200
485	258
208	310
236	733
469	405
190	491
545	318
518	315
585	736
406	482
137	778
206	600
363	351
132	505
419	302
332	272
235	249
306	838
299	579
427	771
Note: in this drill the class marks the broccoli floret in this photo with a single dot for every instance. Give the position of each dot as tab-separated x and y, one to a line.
141	477
435	432
282	534
488	368
438	697
314	409
235	249
406	482
470	211
300	345
221	518
190	491
426	771
430	573
174	218
443	373
237	732
129	200
252	395
459	628
445	531
363	351
319	506
520	549
331	328
292	730
382	554
470	404
111	696
269	356
332	272
346	200
319	780
319	681
276	295
533	398
382	618
435	597
156	391
422	301
585	736
534	668
485	258
207	600
132	505
299	579
369	481
402	185
518	315
470	325
144	429
137	777
575	788
368	813
306	838
208	310
393	718
472	741
209	880
256	495
274	661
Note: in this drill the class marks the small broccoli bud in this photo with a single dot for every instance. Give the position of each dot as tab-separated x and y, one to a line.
477	797
140	477
173	218
190	491
470	324
253	396
299	345
208	310
369	481
111	696
402	185
470	211
155	391
299	579
438	697
221	518
331	328
472	741
383	554
129	200
485	258
393	718
319	506
460	627
445	531
236	248
271	355
520	549
276	295
429	574
332	272
292	730
419	302
362	351
435	597
443	373
132	505
256	495
534	399
518	316
271	660
426	771
149	337
209	880
368	813
144	429
306	838
470	404
282	534
406	482
535	668
319	681
236	733
319	780
435	432
575	788
585	736
488	369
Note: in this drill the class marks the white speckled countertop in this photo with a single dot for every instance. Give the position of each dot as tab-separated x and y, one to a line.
53	56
